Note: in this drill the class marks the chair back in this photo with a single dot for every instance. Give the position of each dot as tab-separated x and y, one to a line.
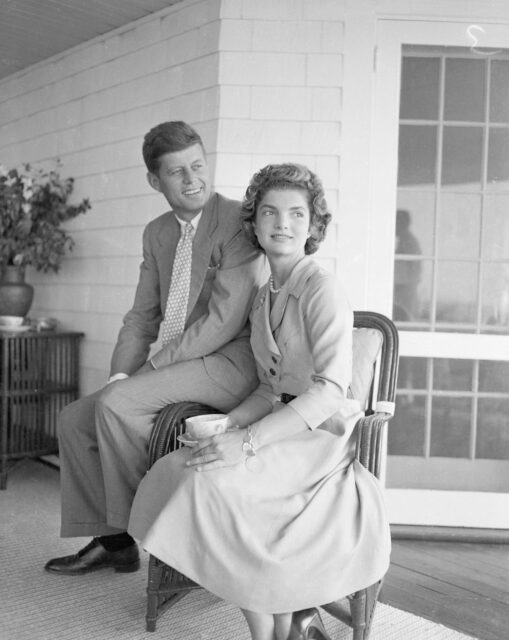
375	370
375	359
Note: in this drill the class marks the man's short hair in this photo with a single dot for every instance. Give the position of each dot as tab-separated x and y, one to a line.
168	137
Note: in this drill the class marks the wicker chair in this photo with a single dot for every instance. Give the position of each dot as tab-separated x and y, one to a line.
375	360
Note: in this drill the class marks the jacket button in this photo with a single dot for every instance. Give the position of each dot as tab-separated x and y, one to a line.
272	372
274	359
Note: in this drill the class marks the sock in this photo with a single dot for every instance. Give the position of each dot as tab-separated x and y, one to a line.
116	541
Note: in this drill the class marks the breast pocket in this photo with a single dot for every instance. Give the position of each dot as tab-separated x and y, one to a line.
208	282
212	269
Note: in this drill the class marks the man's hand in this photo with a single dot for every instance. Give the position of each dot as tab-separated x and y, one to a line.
222	450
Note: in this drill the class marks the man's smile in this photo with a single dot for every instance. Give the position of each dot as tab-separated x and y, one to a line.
193	192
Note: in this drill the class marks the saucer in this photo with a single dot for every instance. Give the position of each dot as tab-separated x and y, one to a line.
15	329
186	440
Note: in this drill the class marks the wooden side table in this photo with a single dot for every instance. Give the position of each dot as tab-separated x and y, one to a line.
39	375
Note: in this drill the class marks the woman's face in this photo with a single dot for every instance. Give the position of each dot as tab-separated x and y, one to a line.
282	222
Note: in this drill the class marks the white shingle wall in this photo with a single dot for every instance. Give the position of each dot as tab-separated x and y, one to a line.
260	80
91	107
280	77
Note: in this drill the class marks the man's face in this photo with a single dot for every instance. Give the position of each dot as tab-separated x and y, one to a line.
183	178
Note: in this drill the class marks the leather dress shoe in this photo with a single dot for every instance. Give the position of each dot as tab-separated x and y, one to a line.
307	625
94	557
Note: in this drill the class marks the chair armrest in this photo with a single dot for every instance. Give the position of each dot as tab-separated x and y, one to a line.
370	440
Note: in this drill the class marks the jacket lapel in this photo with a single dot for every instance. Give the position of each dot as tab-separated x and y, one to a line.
278	309
202	249
294	286
167	247
260	323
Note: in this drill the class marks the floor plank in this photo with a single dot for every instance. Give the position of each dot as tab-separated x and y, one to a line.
464	586
468	570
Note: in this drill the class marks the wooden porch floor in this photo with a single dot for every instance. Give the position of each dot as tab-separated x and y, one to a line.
462	585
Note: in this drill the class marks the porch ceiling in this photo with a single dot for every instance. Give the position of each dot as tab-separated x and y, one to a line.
33	30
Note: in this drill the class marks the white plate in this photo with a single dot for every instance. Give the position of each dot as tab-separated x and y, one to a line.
186	440
14	329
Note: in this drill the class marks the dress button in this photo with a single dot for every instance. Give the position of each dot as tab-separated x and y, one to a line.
274	359
272	372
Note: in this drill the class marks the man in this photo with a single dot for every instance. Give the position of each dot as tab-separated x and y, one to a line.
197	281
407	273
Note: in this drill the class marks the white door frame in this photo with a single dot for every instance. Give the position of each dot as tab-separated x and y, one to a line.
410	506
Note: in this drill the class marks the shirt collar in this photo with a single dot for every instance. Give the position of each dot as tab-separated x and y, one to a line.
194	221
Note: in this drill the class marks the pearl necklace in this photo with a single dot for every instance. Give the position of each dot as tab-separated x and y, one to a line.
271	285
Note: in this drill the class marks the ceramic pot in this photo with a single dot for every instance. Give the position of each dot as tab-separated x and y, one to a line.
15	294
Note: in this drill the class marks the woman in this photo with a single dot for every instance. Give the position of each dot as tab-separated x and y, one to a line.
276	516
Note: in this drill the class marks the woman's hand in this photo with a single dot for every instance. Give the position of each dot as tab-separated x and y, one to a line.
222	450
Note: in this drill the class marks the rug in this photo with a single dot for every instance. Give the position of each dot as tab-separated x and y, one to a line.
36	605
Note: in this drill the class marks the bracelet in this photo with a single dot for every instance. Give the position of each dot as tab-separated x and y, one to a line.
248	446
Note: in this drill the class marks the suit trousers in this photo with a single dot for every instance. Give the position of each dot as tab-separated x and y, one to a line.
103	437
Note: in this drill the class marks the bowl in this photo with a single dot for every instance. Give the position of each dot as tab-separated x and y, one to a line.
11	321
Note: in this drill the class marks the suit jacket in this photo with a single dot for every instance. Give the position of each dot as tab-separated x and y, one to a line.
225	277
303	347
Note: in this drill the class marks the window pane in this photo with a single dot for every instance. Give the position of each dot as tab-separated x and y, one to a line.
424	293
412	373
407	274
406	430
421	211
452	374
457	291
419	88
496	228
494	376
412	291
499	91
498	159
495	297
417	155
461	158
464	90
459	226
450	427
492	431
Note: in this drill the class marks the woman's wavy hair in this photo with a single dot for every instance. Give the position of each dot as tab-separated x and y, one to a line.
287	176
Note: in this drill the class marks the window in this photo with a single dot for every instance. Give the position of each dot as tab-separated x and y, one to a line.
451	408
451	270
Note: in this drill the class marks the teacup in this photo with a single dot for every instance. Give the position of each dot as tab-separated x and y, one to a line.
205	426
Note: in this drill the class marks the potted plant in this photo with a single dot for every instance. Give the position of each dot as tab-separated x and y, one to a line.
33	206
